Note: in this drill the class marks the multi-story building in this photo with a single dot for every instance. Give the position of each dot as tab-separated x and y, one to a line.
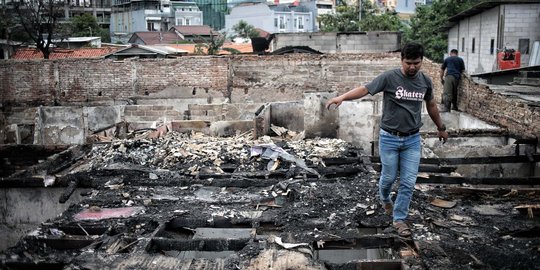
275	18
129	16
186	13
101	9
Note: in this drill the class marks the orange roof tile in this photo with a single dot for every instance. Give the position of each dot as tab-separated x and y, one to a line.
243	47
30	53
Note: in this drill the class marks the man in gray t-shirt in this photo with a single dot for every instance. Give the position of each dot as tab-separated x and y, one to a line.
404	90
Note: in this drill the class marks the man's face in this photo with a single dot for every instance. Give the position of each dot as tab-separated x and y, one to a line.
411	66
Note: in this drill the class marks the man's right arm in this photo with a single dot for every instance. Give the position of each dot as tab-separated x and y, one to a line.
443	69
355	93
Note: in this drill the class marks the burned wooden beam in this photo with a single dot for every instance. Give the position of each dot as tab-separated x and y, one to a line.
475	160
57	162
366	241
21	182
429	168
161	244
368	265
341	161
443	179
73	183
66	242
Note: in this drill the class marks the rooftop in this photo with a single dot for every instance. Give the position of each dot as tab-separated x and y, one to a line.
30	53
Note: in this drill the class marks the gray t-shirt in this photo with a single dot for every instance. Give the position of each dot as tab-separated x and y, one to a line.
402	100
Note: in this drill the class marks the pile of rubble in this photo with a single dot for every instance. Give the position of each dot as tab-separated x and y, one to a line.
188	153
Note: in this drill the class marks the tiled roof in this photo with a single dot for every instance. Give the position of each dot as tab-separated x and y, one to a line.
190	30
262	33
243	47
152	38
30	53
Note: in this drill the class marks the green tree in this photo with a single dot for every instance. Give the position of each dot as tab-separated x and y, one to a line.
245	30
346	19
39	19
86	25
388	21
213	46
426	24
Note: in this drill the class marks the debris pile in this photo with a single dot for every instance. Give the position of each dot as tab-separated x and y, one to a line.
189	153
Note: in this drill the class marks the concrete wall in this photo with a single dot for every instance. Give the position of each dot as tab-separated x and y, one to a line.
23	209
519	118
519	21
522	22
355	42
71	125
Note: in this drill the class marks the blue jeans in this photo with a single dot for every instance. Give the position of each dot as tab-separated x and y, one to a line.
403	154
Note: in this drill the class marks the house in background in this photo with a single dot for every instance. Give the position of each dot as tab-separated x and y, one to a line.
8	48
486	29
153	38
195	33
129	16
78	42
186	13
146	51
285	18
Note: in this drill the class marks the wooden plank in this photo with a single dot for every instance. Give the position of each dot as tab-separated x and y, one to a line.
443	179
428	168
475	160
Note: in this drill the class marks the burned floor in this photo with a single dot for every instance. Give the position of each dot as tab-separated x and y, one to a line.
169	200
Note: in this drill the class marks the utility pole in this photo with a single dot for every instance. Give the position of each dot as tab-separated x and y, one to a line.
359	14
359	10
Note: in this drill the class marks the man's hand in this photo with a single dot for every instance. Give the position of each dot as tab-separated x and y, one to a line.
335	100
443	136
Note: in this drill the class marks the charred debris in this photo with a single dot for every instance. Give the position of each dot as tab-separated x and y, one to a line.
168	200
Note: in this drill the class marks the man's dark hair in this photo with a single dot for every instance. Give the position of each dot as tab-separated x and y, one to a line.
412	51
454	51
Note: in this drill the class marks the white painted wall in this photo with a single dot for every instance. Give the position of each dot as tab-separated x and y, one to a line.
520	21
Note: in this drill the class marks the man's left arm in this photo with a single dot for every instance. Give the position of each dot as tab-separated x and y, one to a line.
433	112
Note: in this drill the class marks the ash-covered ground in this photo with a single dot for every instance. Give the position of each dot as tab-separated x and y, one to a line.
189	201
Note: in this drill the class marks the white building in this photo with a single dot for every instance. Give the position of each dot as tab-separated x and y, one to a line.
274	18
186	13
480	32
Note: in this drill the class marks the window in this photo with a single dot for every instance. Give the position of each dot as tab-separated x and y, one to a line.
275	22
299	23
472	45
188	22
492	46
524	45
462	44
281	22
180	21
150	26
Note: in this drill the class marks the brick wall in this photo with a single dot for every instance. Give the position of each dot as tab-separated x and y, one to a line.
29	82
519	118
243	79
